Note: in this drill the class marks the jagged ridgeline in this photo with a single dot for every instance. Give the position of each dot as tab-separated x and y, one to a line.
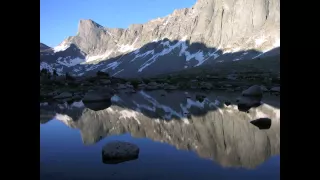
210	33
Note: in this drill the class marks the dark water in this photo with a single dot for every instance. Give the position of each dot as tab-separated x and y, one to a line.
211	141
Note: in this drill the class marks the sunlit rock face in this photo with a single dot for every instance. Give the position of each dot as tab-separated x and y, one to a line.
210	31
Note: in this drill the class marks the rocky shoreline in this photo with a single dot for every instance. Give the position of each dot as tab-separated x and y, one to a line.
69	89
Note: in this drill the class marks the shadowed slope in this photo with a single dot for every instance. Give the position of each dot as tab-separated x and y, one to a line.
155	58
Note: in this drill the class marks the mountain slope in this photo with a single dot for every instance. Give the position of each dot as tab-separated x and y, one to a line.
44	47
209	32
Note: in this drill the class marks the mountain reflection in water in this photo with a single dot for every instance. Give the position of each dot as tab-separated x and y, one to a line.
209	128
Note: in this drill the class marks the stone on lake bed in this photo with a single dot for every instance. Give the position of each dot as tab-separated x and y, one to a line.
118	151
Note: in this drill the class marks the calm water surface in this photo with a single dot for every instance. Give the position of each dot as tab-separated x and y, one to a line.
178	137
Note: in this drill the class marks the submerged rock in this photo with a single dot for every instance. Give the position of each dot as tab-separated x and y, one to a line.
117	152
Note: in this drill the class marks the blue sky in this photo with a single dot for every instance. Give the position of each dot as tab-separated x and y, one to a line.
59	18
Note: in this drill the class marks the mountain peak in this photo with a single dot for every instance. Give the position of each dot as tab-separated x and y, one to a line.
88	23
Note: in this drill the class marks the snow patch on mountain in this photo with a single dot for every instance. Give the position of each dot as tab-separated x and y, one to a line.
61	47
67	61
165	51
44	65
117	72
276	44
93	67
199	56
127	47
142	55
112	65
98	57
260	41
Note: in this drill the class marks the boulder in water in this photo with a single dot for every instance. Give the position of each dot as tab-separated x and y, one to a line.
254	90
245	103
102	94
117	152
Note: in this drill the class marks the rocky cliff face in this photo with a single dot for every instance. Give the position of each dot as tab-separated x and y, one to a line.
209	32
